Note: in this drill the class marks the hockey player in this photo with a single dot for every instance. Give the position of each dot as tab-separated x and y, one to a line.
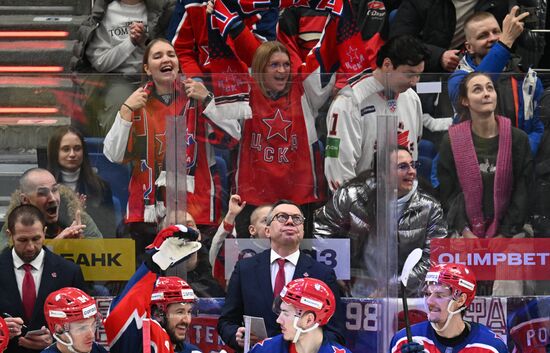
449	290
172	305
304	306
148	319
72	318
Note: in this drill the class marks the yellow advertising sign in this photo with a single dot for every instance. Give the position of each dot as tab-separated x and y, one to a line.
99	259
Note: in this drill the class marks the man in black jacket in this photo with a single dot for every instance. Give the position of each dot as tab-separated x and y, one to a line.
31	272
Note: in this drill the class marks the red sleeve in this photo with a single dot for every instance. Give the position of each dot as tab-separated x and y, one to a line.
185	46
245	45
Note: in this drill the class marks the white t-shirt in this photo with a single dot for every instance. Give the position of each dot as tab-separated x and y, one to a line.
111	49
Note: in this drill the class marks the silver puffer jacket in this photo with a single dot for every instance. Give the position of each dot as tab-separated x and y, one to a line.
351	213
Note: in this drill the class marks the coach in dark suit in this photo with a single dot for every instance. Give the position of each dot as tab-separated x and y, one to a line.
47	272
252	284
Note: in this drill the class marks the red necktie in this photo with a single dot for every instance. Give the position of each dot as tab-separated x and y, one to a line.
29	291
280	278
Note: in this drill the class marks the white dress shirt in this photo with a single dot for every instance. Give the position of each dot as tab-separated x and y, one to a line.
37	269
290	266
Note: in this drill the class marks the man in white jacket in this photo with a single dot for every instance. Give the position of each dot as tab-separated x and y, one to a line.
351	120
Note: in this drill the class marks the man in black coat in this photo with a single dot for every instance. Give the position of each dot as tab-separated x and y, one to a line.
253	282
47	273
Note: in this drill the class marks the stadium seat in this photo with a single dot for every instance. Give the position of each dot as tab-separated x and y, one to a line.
425	168
427	148
221	169
117	175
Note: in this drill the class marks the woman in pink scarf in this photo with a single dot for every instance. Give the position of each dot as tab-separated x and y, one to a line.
485	166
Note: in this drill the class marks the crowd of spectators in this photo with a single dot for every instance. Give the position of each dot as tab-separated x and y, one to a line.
288	98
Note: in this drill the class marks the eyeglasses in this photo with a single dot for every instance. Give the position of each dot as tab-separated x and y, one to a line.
404	167
283	218
277	66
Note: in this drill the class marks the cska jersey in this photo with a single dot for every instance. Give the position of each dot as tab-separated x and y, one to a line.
278	139
129	326
279	143
479	340
278	345
146	150
129	320
188	34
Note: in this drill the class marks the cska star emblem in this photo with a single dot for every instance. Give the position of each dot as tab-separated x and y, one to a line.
338	350
277	126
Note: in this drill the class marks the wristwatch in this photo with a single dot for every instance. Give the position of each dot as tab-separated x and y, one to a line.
208	98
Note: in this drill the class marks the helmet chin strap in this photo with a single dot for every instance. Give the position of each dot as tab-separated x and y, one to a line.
299	330
69	344
448	321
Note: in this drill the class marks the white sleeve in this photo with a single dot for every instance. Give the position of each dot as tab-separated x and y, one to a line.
116	141
227	116
316	94
105	57
432	124
217	242
344	138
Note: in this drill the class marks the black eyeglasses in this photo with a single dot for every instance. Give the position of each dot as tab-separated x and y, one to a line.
404	167
283	218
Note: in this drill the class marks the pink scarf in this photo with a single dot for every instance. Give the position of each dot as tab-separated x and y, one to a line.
469	175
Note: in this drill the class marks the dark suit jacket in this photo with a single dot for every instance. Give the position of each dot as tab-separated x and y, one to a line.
250	293
57	273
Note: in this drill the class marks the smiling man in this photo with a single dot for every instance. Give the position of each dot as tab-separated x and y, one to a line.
257	280
351	213
352	117
59	205
153	313
172	306
449	290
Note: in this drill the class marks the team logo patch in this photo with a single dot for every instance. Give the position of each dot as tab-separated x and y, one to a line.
187	294
466	284
432	277
392	105
157	296
57	313
367	110
333	147
89	311
311	302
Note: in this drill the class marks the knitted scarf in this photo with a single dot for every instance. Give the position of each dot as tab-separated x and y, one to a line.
469	175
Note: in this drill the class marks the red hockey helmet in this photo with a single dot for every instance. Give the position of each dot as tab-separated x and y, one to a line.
169	290
68	305
310	294
4	335
458	277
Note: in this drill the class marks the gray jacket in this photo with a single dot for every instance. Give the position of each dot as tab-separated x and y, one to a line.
159	13
351	213
67	209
